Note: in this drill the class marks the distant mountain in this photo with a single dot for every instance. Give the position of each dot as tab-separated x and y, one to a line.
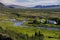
47	6
16	6
23	7
12	6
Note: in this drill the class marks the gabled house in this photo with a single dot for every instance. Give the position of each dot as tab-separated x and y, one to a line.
12	19
51	22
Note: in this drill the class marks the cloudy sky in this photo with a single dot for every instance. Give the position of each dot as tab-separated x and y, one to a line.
30	3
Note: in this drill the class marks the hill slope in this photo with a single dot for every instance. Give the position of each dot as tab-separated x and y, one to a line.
2	5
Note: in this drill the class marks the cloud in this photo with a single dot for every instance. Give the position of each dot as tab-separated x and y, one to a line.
8	1
31	2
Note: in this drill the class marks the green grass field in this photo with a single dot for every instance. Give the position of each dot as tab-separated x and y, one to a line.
19	32
9	29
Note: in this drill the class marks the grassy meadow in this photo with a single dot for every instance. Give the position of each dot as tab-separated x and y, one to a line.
31	32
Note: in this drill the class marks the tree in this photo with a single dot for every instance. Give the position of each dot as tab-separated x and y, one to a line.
16	14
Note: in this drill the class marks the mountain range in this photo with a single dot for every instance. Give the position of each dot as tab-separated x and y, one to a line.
47	6
22	7
11	6
16	6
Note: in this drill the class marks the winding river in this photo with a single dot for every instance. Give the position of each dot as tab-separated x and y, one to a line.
20	23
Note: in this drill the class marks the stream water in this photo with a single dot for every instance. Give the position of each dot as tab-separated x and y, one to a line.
20	23
50	28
